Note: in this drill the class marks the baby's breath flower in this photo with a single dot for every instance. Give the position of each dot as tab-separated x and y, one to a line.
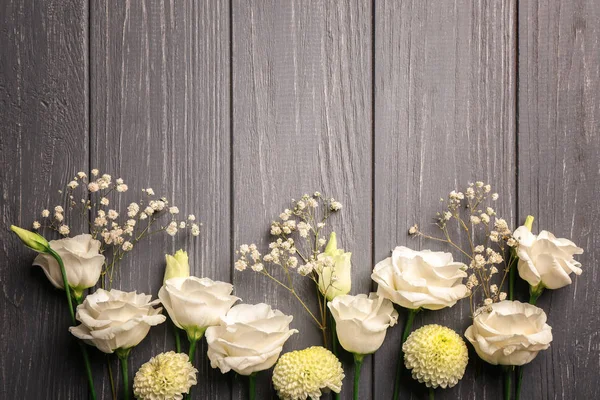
81	175
95	172
127	246
143	216
172	229
73	184
93	187
502	296
240	265
335	206
165	377
59	217
475	219
149	210
258	267
149	192
132	210
64	230
495	196
36	225
436	355
413	229
45	213
131	222
191	217
58	209
112	214
299	375
104	201
173	210
122	188
182	225
195	230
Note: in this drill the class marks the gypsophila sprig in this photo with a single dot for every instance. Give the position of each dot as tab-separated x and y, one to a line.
95	199
489	240
297	250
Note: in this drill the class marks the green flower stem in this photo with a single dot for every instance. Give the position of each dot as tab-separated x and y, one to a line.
65	283
519	382
508	370
123	355
358	361
407	328
84	353
535	292
177	338
192	352
252	386
334	345
431	394
512	275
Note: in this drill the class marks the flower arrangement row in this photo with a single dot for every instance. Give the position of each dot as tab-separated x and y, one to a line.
249	338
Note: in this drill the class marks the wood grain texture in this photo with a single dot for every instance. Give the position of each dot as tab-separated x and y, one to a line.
160	119
43	142
302	122
559	179
444	116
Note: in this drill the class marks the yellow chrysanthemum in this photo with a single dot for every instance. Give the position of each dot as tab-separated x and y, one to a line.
165	377
436	355
301	374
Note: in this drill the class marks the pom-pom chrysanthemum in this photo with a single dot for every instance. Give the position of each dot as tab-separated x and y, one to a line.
436	355
165	377
299	375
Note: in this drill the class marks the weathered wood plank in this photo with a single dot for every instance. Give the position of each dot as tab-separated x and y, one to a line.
302	122
444	115
160	112
559	177
44	142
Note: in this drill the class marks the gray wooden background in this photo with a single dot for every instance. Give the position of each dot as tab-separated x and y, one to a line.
231	108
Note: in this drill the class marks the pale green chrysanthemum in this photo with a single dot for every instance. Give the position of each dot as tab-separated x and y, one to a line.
301	374
437	356
165	377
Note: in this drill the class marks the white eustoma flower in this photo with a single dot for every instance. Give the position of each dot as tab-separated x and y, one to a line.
177	265
249	338
546	259
335	276
82	259
115	320
512	333
194	303
420	279
362	322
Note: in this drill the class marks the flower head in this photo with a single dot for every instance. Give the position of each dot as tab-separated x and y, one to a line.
436	355
165	377
302	374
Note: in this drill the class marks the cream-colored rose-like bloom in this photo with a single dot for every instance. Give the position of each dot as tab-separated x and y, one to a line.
165	377
546	259
335	276
82	259
420	279
513	333
361	321
249	338
115	320
194	303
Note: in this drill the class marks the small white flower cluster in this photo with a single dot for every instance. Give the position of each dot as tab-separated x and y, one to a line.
473	214
303	219
118	231
306	221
